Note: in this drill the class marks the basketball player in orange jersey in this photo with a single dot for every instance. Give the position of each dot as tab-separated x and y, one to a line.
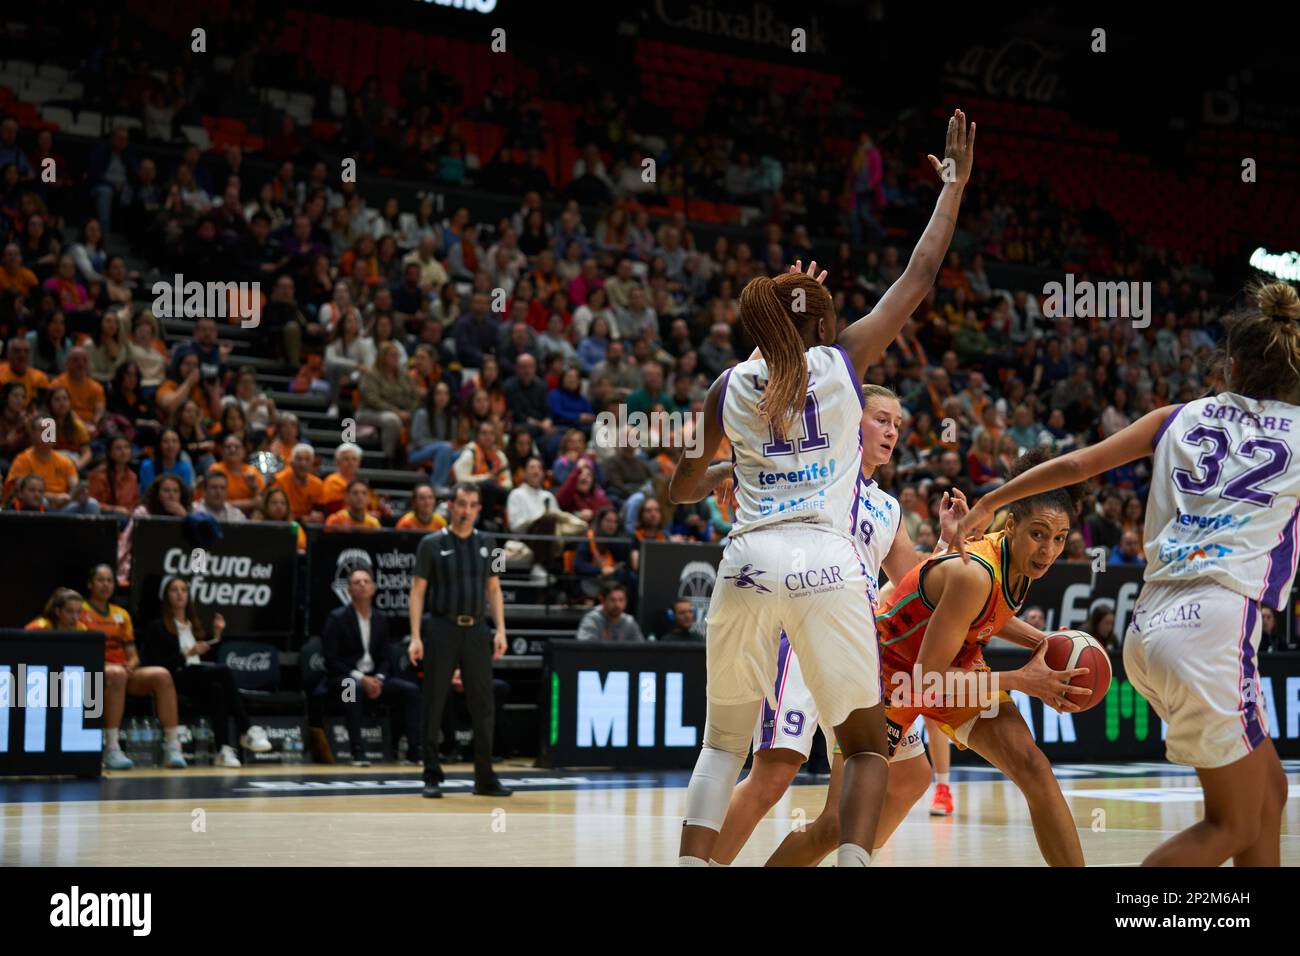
784	735
1222	538
936	741
936	622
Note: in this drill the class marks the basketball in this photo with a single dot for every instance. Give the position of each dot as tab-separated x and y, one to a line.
1067	650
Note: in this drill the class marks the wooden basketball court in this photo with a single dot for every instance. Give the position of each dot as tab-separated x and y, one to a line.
323	816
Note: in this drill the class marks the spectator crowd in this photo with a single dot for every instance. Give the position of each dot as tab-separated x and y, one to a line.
460	346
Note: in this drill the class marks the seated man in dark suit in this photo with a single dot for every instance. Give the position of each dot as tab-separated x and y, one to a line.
355	645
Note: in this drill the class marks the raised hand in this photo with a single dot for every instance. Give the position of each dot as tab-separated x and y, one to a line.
973	525
812	270
959	147
952	509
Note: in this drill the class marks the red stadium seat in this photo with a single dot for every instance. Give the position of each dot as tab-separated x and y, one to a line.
319	29
28	116
324	129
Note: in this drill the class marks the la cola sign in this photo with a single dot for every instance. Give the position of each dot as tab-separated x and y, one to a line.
1019	69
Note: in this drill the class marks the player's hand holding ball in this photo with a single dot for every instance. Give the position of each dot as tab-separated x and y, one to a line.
1052	687
1081	654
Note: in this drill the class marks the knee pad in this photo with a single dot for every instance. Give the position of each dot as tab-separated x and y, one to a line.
728	739
727	733
712	783
730	727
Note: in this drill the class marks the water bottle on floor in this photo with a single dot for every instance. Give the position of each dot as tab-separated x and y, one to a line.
130	742
137	742
203	743
151	743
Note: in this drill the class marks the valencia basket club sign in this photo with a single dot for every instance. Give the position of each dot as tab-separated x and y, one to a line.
389	556
671	571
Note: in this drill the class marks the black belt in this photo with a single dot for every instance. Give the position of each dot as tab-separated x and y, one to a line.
463	620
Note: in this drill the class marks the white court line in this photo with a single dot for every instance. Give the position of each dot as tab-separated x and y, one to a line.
770	821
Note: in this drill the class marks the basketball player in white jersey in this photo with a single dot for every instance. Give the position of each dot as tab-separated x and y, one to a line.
784	732
883	543
1221	539
791	565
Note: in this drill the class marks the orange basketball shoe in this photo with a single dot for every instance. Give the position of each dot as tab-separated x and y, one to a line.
941	805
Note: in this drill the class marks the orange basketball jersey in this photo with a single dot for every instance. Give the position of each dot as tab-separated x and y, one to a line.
902	620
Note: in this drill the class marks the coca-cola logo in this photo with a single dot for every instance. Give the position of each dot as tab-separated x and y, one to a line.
256	661
1018	69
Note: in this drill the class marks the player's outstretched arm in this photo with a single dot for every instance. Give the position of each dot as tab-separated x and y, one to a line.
868	337
1124	446
694	478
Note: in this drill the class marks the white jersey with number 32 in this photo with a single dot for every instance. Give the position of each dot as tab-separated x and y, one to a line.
1225	496
811	476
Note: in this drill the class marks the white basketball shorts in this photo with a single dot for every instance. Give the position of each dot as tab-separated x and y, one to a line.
1191	650
809	583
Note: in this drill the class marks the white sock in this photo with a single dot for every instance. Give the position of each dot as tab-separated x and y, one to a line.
942	778
110	739
850	854
173	737
691	861
716	863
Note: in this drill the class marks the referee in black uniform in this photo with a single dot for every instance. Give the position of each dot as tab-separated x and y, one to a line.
453	570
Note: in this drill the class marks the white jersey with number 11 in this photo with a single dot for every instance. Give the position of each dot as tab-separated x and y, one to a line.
811	475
